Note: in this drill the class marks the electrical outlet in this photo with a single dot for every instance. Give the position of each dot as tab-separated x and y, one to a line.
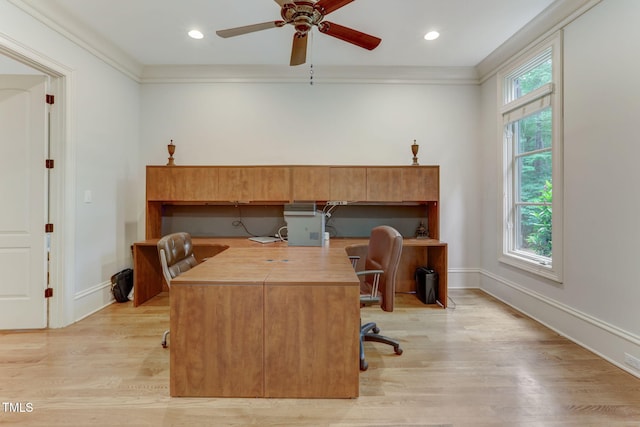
632	361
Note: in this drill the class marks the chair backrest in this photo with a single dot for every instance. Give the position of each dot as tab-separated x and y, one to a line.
385	248
176	255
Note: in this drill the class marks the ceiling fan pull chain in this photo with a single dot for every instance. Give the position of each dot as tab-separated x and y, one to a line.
311	62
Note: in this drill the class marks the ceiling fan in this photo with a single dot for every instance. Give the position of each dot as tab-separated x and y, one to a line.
304	15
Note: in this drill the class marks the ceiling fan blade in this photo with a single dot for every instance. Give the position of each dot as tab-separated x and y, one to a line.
327	6
238	31
299	49
349	35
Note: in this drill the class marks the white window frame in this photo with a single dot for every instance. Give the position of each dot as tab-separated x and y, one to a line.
509	111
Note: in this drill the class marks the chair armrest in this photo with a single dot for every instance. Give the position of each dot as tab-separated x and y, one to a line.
373	297
366	272
354	260
369	300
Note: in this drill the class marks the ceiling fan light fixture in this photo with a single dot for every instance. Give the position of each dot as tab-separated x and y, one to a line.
195	34
431	35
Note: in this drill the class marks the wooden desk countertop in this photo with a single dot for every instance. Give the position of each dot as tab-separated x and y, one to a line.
280	264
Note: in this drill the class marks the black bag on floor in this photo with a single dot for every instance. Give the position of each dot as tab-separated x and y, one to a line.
121	285
426	285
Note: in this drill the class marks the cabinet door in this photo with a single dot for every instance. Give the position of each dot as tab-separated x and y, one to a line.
159	183
310	183
235	184
272	184
195	183
384	184
421	183
349	183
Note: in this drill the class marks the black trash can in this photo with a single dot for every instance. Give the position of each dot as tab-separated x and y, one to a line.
426	285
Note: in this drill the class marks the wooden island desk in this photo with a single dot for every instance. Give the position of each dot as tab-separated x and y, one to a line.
282	322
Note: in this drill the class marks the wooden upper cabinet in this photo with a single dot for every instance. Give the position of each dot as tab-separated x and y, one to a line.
310	183
421	183
348	183
235	184
160	183
189	183
384	184
196	184
272	183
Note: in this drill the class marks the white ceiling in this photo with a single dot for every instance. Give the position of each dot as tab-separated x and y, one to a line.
154	32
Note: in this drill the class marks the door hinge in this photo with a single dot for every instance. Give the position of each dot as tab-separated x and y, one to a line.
48	228
48	292
49	163
50	99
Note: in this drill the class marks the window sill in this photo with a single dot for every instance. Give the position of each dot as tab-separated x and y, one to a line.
544	270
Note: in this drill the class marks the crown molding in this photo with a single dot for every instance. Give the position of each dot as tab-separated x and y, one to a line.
302	74
81	35
555	17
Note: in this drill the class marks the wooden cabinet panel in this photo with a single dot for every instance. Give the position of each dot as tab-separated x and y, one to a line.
272	184
235	184
195	183
310	183
159	183
349	183
384	184
421	183
292	336
205	353
182	183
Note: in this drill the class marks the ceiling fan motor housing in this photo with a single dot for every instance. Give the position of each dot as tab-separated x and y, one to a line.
303	15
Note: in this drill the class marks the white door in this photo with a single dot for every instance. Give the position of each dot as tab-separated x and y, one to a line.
23	146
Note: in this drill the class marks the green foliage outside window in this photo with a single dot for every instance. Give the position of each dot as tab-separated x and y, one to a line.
539	220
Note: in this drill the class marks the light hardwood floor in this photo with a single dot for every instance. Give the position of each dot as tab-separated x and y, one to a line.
480	364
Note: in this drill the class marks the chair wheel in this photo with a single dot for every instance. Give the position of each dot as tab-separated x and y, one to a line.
398	351
164	345
376	330
363	365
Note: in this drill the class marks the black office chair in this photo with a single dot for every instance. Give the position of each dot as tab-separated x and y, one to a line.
176	256
378	282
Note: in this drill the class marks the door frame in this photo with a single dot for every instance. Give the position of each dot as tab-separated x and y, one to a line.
61	180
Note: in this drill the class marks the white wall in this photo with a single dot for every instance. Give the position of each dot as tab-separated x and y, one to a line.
597	305
351	124
101	155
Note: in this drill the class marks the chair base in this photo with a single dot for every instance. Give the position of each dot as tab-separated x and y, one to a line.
369	332
164	339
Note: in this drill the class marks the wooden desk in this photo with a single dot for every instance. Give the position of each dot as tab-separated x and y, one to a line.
148	280
282	322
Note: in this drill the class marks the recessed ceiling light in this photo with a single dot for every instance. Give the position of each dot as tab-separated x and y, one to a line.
431	35
195	34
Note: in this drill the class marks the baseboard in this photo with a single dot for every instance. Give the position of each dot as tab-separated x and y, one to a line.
89	301
463	278
607	341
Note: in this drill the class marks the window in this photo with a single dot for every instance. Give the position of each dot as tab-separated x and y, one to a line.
530	127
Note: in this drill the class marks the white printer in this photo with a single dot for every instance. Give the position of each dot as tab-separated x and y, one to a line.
305	224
